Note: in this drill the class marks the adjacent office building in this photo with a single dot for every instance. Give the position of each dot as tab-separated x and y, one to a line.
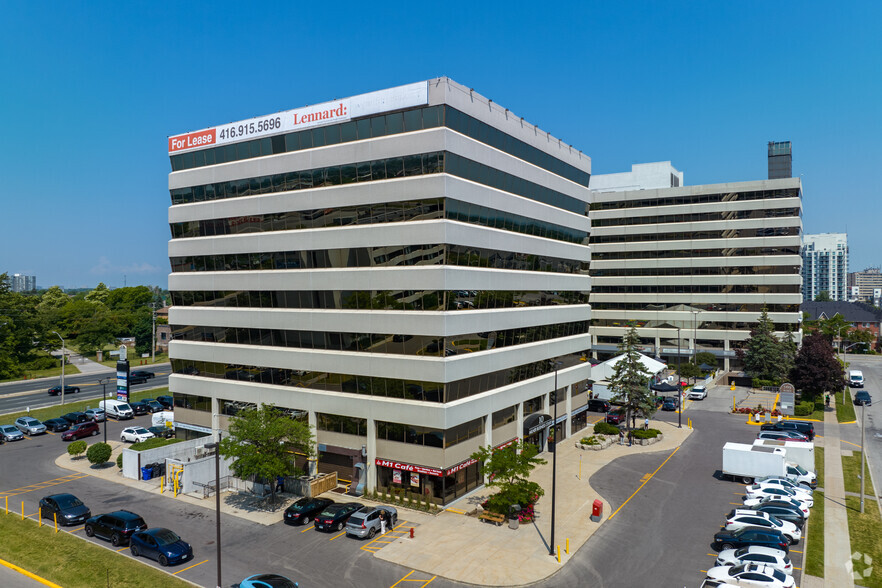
23	283
692	266
865	285
405	270
825	266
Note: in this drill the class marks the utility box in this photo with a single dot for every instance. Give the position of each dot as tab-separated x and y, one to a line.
597	511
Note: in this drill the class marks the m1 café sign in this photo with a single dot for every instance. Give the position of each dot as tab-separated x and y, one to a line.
407	467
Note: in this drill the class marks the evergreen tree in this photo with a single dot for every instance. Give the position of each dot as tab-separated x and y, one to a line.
763	357
630	381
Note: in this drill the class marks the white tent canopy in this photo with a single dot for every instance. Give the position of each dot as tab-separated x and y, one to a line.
605	370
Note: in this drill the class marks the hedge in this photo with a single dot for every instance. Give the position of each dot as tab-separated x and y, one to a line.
153	443
604	428
805	408
647	434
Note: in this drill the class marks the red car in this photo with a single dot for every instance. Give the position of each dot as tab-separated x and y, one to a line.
81	430
614	417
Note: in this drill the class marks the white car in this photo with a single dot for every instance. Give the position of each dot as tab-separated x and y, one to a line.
135	434
757	554
740	518
784	483
698	392
800	492
803	508
757	491
754	575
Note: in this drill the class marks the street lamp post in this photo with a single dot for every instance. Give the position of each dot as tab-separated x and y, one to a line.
104	382
695	312
679	384
153	334
863	454
62	366
554	460
216	447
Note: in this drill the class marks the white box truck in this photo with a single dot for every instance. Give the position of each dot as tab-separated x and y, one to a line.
801	453
601	390
746	463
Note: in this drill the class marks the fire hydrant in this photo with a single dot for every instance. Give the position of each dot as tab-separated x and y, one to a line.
411	532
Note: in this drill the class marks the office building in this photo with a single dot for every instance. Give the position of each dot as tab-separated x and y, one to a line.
400	269
780	160
23	283
825	266
693	266
865	285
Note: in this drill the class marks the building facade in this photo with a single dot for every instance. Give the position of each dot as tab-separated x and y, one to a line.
693	267
401	269
866	285
23	283
825	266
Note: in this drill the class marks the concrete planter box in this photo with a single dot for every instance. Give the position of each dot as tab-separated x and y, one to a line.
604	442
652	441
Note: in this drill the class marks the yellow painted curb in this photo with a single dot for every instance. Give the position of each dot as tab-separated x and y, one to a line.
848	423
43	581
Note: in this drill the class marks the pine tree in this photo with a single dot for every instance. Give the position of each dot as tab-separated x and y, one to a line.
630	380
764	356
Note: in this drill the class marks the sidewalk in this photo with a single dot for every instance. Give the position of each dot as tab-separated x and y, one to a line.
87	366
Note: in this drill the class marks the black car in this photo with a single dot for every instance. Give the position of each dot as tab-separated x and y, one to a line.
152	405
751	536
162	432
807	429
139	408
55	391
133	379
782	511
66	508
303	511
56	425
142	374
863	398
334	517
116	526
76	417
670	403
598	405
166	401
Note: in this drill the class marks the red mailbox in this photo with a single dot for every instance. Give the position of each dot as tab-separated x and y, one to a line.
597	510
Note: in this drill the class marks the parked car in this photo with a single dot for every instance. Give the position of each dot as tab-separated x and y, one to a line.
782	436
30	425
162	545
56	425
166	401
139	408
756	554
782	512
698	392
670	403
741	518
68	509
614	417
768	491
775	482
267	581
334	516
142	374
10	433
863	398
135	434
598	405
806	428
365	522
153	406
751	574
96	414
304	510
56	390
80	430
751	536
117	527
778	500
164	432
75	417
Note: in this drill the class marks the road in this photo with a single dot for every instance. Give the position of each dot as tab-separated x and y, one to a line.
17	396
871	366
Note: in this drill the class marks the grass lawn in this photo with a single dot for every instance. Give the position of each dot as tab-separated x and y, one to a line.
851	470
845	412
51	412
69	370
814	554
134	361
865	533
72	562
819	465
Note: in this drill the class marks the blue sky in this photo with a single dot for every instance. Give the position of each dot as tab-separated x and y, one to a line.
91	90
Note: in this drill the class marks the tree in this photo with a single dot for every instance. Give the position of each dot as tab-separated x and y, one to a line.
763	356
143	333
630	380
823	296
76	448
834	327
689	370
261	442
789	350
817	370
98	453
705	357
862	336
20	326
509	471
99	294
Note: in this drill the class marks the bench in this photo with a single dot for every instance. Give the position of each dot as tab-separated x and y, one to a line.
492	517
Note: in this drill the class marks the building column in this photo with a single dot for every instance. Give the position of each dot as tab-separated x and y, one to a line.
370	461
488	437
726	357
568	390
215	417
657	346
312	461
520	431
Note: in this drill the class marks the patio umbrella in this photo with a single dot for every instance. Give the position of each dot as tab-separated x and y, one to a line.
707	368
663	387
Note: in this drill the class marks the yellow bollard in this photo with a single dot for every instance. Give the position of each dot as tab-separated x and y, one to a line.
7	505
162	485
568	544
22	510
55	518
558	554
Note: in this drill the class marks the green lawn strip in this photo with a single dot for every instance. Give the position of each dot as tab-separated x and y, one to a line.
845	412
813	561
865	534
72	562
69	370
819	465
851	471
134	362
51	412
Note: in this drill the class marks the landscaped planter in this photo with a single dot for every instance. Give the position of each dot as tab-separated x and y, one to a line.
604	441
651	441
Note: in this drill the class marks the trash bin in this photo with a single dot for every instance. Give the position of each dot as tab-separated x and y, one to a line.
146	473
513	522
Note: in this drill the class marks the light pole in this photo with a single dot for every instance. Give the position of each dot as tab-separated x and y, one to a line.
839	355
863	455
554	459
153	334
694	312
679	384
216	447
62	366
104	382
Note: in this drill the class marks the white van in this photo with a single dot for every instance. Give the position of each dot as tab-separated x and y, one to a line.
117	409
856	379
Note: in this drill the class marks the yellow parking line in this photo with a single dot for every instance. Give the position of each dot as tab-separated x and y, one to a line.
309	528
335	536
75	530
123	549
193	566
429	581
794	551
30	575
644	483
402	579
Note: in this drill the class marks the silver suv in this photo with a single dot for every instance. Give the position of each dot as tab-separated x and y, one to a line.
365	522
30	425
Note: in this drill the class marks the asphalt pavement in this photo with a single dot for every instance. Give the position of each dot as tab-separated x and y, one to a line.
871	366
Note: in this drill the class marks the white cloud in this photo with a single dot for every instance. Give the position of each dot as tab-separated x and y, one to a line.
105	267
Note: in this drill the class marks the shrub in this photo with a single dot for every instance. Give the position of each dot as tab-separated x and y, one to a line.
647	434
119	460
153	443
604	428
592	440
819	406
759	383
804	408
77	448
99	453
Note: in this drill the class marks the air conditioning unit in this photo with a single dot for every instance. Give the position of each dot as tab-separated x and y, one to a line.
201	452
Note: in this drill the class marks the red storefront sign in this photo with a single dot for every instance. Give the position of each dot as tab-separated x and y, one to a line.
407	467
459	466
